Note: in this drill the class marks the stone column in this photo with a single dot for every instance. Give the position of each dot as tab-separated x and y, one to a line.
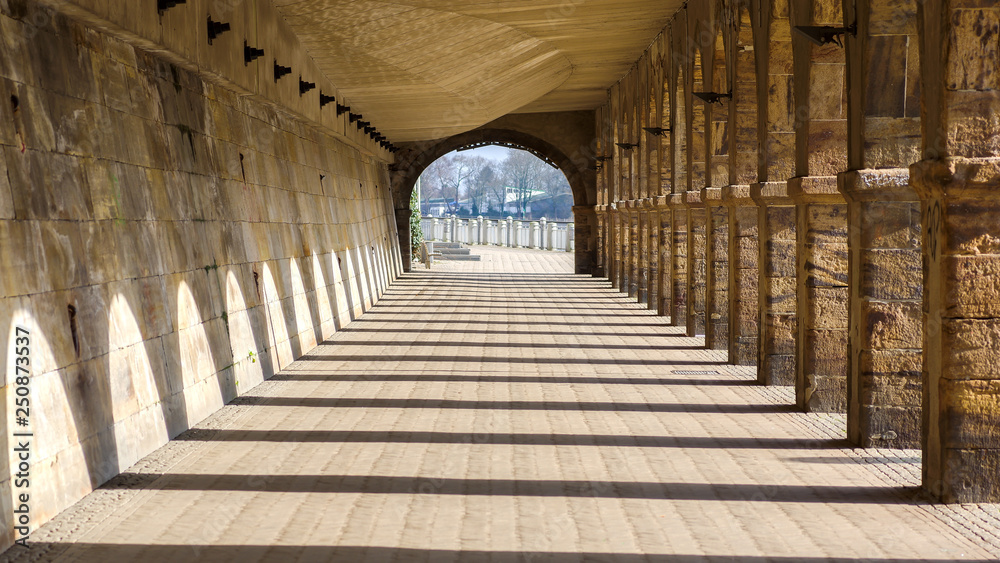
653	252
482	226
535	235
697	267
542	232
601	238
405	242
886	291
633	250
679	275
642	254
821	288
777	301
511	239
744	252
550	243
958	184
820	154
664	305
717	267
884	263
581	238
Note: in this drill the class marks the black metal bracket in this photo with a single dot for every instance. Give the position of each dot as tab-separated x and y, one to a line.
281	71
305	86
658	131
164	5
251	54
712	97
216	29
825	34
324	99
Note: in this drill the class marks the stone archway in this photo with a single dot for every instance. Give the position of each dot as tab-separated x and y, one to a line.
567	139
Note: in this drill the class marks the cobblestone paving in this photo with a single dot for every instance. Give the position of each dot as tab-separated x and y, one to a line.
507	410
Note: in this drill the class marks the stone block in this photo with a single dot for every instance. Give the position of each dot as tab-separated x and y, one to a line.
972	286
970	409
825	223
825	265
969	476
827	139
780	295
890	426
779	334
889	325
889	224
970	348
824	308
780	259
828	394
777	369
892	274
971	53
824	352
780	222
900	388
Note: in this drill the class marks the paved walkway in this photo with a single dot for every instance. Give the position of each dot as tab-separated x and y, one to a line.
509	411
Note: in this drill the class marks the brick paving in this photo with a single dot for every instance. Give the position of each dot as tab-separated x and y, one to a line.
507	410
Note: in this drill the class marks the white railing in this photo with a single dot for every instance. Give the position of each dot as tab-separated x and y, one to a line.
542	234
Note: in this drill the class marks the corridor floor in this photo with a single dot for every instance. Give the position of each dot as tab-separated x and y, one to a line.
510	411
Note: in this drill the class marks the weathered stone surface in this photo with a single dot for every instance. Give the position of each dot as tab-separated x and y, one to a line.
973	285
891	325
970	348
827	353
891	274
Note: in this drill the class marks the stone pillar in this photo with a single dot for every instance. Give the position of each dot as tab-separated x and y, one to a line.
600	266
717	267
581	238
697	267
744	276
542	232
481	226
653	252
633	250
534	237
666	261
821	289
958	184
679	275
777	301
621	246
550	242
642	254
403	229
886	290
820	154
511	239
884	263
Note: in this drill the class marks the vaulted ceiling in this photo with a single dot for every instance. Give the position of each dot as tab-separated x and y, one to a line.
427	69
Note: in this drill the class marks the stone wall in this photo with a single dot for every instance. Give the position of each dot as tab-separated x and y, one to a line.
169	244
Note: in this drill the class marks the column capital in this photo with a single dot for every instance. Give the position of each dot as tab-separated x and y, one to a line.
693	199
814	189
676	201
883	184
771	193
736	196
712	197
957	178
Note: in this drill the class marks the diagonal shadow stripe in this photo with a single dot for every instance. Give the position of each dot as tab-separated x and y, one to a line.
381	484
383	403
404	437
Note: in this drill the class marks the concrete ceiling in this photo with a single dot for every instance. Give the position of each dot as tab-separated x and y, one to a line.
427	69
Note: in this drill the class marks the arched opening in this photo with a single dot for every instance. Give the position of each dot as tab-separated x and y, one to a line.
577	167
495	180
